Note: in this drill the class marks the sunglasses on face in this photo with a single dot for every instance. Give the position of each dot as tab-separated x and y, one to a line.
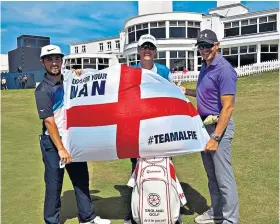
148	46
203	46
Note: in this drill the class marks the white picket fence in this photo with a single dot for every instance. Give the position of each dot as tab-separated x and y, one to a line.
242	71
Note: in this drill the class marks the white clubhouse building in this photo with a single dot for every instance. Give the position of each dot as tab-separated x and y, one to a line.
245	37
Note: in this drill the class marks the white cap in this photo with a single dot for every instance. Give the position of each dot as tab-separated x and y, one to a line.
49	50
147	38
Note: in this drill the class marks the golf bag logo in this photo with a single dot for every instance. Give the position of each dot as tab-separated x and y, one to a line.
153	199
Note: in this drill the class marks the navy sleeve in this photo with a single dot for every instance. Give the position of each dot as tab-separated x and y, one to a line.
44	104
227	81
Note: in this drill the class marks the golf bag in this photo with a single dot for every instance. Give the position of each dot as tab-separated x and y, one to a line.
157	194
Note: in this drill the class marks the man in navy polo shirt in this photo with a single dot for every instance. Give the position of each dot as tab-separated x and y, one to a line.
49	99
215	93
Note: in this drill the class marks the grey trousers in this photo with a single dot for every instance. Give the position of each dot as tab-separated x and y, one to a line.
221	181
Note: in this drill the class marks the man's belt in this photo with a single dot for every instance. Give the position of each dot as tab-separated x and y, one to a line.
210	119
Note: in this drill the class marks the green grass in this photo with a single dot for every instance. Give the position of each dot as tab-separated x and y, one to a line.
254	151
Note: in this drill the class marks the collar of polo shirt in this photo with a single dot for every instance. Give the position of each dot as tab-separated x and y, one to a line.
51	80
216	59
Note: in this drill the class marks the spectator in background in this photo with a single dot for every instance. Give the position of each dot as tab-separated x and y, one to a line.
24	83
19	82
4	83
15	81
185	71
172	70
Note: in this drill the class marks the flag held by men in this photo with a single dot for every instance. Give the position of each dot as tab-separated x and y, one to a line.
122	112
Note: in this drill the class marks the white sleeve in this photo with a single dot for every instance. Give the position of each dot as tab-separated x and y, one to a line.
66	73
170	79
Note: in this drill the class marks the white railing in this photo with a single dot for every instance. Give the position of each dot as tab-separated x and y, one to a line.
188	77
258	68
242	71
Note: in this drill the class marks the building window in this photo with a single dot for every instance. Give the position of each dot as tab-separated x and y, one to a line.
249	26
141	29
160	57
193	29
243	49
83	49
132	59
248	55
75	63
190	66
100	46
102	63
269	52
225	51
267	24
131	34
76	50
232	29
109	46
117	44
199	61
157	29
89	63
122	59
177	29
177	60
67	64
231	55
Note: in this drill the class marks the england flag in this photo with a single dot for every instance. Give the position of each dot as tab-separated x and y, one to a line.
123	112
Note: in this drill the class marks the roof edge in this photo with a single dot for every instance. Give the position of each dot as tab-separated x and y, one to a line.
228	6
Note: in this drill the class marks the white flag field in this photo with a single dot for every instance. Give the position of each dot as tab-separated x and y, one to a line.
122	112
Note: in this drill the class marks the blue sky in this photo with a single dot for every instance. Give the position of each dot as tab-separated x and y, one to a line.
67	22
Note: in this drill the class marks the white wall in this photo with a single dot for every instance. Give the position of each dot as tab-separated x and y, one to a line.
213	22
243	40
164	17
93	47
278	22
232	11
4	66
223	3
149	7
122	41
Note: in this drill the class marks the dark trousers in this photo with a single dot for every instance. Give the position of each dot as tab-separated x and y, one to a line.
133	164
78	173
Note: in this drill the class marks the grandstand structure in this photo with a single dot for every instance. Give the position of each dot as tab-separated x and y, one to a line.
245	37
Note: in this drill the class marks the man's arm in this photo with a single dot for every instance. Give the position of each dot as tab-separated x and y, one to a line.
45	111
227	86
225	114
78	72
188	92
53	132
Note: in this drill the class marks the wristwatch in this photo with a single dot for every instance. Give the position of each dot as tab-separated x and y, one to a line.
216	137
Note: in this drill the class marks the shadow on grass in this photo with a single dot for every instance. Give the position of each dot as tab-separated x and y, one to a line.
196	203
110	208
118	207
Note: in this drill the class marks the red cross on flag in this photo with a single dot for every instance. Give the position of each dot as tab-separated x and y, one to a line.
122	112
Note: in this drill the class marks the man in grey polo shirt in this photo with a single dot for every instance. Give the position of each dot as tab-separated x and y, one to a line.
215	93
